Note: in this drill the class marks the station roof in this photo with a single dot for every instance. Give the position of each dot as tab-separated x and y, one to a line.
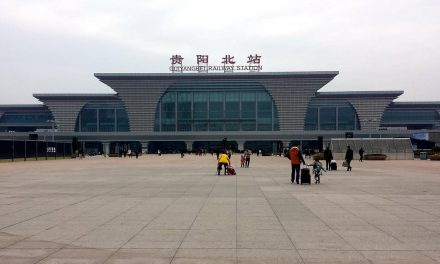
13	107
351	94
217	75
75	96
426	104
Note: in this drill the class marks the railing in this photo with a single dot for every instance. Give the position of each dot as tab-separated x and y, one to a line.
34	150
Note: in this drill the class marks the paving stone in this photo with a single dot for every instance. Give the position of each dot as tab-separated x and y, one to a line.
92	256
172	210
397	257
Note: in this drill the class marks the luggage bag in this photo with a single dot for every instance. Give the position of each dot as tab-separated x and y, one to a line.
333	166
231	170
305	176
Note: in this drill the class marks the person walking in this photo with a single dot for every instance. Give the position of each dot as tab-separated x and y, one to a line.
229	152
361	154
349	157
328	156
296	158
247	156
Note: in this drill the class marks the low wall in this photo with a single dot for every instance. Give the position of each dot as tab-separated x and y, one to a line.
394	148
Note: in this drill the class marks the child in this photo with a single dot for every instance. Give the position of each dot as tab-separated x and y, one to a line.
317	167
243	161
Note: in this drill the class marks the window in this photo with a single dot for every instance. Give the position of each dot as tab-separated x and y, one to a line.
327	118
331	115
216	106
105	116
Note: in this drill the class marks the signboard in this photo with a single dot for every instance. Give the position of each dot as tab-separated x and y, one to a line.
228	64
51	150
420	136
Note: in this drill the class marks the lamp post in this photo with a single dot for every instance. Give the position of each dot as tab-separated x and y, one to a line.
13	144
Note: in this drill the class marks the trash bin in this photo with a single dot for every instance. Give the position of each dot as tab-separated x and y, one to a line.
423	155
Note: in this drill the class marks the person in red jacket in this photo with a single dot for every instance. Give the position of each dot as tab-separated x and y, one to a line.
296	158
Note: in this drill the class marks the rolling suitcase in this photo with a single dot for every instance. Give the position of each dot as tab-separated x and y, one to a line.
305	176
333	166
231	170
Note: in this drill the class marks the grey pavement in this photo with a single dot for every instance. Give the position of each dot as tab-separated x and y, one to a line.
169	209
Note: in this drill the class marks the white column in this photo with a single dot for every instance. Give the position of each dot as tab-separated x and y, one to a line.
106	148
189	145
240	145
144	146
275	148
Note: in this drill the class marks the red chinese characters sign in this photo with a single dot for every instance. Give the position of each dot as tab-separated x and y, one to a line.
176	59
202	59
228	61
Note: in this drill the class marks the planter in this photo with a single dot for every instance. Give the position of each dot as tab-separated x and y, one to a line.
375	157
434	157
319	156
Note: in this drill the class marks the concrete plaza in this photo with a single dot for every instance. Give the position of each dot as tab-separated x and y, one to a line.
169	209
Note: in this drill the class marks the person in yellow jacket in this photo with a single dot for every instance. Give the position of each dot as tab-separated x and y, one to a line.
223	160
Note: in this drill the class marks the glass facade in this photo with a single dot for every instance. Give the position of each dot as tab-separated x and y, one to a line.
331	115
216	106
410	118
107	116
25	121
409	115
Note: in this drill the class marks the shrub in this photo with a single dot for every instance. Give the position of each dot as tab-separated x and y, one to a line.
434	151
375	157
319	156
434	157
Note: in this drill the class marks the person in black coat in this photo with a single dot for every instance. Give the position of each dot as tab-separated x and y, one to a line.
349	157
328	156
361	154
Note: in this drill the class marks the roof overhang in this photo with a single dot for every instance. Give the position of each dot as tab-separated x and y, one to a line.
216	76
359	94
45	97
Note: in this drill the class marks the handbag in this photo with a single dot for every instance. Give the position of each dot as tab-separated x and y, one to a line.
344	163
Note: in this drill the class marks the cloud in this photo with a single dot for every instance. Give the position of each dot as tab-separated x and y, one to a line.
376	45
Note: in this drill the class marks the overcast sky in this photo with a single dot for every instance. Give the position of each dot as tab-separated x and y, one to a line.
56	46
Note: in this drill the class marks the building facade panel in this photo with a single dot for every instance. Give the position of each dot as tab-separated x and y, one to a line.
370	111
412	115
66	107
291	93
65	113
22	118
331	114
140	98
103	116
279	103
292	97
369	106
